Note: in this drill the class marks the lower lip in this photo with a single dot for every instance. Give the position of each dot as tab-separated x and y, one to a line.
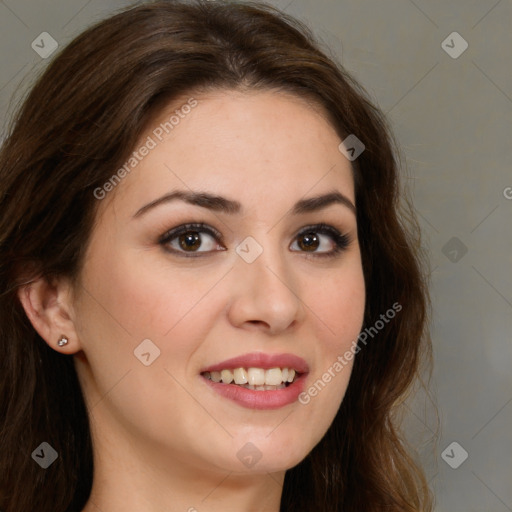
252	399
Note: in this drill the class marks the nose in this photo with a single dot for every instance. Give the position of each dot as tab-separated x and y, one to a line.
265	294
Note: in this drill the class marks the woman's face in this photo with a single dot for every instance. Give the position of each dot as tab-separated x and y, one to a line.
162	314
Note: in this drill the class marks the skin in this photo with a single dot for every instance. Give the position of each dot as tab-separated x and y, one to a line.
163	440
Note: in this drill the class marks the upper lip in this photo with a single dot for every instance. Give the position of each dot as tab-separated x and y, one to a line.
261	360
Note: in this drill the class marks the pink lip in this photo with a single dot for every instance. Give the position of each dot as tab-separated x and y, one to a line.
260	399
261	360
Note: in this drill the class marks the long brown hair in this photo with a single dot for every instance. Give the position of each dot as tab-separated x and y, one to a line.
78	124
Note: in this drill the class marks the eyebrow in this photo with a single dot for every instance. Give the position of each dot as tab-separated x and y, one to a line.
230	206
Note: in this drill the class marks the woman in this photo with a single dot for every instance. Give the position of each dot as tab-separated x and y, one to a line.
209	301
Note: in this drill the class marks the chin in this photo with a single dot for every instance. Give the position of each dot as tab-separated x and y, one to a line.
262	454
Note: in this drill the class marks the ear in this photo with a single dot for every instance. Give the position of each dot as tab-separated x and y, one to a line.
49	307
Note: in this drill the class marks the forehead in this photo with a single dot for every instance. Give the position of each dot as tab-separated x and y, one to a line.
254	146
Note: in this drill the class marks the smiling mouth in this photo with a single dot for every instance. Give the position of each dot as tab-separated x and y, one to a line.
256	379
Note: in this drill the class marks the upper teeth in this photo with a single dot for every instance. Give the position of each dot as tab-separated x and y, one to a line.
253	376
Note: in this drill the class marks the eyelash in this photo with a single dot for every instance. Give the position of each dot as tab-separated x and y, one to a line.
340	240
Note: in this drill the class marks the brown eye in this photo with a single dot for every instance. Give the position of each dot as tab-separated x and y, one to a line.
321	240
192	240
308	241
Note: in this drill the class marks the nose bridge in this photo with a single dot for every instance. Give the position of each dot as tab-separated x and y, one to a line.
266	288
265	258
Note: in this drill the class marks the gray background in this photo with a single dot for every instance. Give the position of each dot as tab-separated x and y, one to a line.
452	118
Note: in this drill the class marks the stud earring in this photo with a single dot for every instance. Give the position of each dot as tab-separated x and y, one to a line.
63	341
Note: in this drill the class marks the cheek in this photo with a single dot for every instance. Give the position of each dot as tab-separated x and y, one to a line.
338	304
145	295
126	306
338	309
142	297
